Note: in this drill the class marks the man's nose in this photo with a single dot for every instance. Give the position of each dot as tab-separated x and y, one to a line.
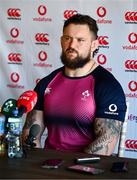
73	43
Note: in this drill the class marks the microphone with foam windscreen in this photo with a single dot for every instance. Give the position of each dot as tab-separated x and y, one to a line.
26	102
9	107
34	130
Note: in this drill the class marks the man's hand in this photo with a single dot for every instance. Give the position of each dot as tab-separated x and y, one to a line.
33	117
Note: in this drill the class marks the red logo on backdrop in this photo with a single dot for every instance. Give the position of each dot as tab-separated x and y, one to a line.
14	32
41	37
14	57
131	64
37	80
101	59
14	77
131	144
132	37
42	55
132	85
103	40
13	12
42	10
131	16
69	13
101	11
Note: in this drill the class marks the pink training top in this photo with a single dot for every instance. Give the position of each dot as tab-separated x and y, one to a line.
69	108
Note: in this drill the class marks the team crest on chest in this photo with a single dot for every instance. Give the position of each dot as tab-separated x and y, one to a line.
85	95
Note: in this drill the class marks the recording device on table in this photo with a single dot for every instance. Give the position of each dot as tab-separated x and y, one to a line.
121	166
87	160
86	165
14	110
52	163
86	169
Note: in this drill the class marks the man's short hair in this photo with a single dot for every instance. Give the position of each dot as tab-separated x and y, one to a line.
83	19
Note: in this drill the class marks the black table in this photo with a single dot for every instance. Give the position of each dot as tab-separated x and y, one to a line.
30	167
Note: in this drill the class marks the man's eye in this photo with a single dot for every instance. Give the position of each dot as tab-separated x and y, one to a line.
66	38
81	40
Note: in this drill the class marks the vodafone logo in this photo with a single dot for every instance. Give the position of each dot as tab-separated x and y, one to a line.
14	77
41	37
113	108
132	85
131	64
69	13
131	144
14	12
42	10
103	40
101	11
14	57
132	37
101	59
42	55
37	80
14	32
131	16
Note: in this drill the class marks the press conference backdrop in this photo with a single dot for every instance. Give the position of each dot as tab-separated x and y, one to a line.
30	49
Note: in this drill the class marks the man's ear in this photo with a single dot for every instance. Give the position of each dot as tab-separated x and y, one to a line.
61	41
94	45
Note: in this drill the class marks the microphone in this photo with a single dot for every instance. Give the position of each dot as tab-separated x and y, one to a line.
26	102
34	130
9	107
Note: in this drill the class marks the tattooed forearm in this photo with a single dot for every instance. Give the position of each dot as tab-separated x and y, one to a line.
107	125
30	119
106	132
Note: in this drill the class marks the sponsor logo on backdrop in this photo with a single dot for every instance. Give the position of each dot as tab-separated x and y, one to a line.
131	145
69	13
37	80
101	12
15	78
132	86
14	14
131	17
42	57
132	117
131	65
14	58
102	60
103	42
14	34
42	10
42	38
42	14
132	39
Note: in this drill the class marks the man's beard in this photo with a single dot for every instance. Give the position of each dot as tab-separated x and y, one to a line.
75	63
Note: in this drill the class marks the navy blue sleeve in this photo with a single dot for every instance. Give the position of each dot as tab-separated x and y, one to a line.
110	97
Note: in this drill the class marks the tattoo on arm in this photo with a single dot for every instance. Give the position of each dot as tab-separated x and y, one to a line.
29	120
106	131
